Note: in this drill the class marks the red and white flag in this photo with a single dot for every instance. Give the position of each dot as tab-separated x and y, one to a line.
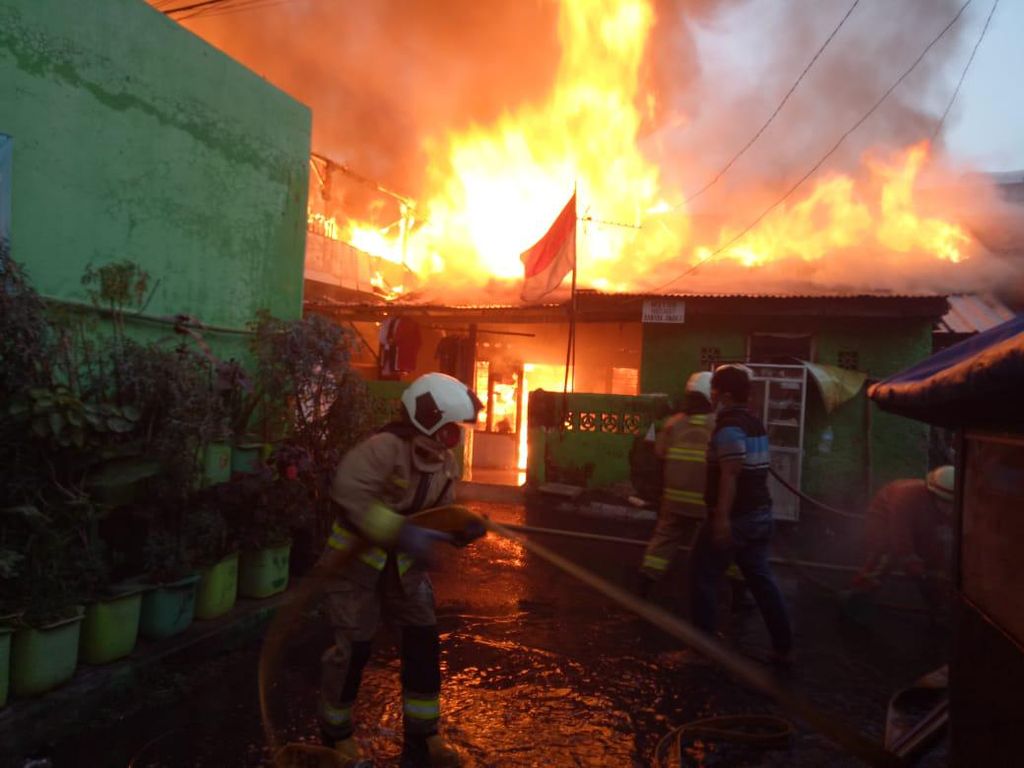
552	257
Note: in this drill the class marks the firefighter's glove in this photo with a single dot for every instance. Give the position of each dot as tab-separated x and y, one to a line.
470	532
418	542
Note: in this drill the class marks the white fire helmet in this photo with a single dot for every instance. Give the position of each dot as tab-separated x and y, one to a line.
941	482
436	399
700	383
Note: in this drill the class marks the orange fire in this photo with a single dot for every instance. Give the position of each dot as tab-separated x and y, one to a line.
837	215
493	190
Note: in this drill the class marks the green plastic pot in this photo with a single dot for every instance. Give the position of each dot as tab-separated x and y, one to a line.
216	463
246	458
5	663
218	588
168	609
264	572
111	627
43	658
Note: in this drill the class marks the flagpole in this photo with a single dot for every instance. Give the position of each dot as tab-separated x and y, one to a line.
570	349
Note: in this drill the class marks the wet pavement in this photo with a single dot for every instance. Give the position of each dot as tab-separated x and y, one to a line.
538	671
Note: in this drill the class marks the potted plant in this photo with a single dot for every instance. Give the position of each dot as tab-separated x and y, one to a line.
267	509
46	593
313	403
239	398
169	604
214	549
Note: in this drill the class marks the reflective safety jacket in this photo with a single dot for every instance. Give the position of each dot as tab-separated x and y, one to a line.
683	444
391	474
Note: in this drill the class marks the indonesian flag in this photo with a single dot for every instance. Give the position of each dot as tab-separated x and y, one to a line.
552	257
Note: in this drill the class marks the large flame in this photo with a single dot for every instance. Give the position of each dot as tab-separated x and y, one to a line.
493	190
837	215
496	189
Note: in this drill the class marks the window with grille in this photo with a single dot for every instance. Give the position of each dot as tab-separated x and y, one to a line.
849	358
709	357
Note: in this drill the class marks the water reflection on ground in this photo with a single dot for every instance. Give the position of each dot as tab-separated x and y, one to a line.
538	671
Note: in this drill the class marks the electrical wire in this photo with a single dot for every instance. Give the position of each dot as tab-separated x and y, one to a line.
967	66
771	118
814	168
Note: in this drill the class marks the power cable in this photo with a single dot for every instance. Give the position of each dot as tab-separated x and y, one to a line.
823	158
774	114
967	66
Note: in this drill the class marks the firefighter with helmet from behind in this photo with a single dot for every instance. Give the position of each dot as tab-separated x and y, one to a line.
907	529
681	444
405	467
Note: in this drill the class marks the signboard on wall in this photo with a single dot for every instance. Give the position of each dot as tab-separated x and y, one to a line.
664	311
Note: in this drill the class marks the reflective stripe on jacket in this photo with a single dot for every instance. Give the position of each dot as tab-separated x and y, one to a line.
683	444
377	483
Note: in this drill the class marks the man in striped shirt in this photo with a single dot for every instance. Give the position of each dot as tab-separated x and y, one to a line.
739	524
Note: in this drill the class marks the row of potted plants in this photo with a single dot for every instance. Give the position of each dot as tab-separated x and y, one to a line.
136	490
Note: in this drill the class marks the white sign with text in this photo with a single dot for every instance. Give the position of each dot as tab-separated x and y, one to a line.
664	311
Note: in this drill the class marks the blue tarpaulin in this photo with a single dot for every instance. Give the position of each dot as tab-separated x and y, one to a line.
976	383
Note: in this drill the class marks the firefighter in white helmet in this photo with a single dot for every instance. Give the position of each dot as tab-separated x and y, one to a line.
906	529
681	444
405	467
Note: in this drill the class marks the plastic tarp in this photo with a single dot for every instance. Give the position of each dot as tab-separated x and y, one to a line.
5	188
837	385
976	383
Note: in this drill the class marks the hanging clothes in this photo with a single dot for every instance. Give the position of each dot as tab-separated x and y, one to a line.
400	341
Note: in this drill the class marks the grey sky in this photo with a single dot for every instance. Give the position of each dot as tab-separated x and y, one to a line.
987	123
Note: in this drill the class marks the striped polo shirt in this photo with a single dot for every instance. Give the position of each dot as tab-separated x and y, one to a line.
738	434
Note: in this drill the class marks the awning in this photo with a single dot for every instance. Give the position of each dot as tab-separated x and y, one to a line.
837	385
976	383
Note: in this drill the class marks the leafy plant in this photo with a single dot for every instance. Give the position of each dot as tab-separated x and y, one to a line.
310	394
116	286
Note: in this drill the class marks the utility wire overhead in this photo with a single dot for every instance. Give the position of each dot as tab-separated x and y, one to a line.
773	115
967	66
814	168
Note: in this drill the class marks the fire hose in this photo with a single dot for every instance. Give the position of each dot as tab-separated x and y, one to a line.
756	677
810	499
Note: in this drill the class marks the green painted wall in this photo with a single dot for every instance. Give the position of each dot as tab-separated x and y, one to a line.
135	139
899	447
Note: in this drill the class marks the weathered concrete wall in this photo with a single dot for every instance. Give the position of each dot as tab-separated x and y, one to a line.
135	139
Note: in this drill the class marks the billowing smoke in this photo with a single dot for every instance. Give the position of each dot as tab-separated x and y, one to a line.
389	79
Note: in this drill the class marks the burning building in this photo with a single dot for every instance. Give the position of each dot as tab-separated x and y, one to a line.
830	238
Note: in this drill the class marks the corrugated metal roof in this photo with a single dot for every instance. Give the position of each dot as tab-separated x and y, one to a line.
592	294
974	313
765	295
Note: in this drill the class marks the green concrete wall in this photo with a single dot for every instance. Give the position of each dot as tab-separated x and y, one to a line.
134	139
836	474
594	451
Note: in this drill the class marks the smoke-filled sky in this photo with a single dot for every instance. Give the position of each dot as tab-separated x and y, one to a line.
381	73
389	80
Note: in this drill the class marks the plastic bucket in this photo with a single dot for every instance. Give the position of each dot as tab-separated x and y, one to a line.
216	463
43	658
111	628
5	663
264	572
218	588
246	459
168	609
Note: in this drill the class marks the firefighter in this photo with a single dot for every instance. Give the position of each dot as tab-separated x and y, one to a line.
680	444
405	467
905	527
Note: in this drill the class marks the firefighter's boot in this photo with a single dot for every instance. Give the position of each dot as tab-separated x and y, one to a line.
350	755
429	752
